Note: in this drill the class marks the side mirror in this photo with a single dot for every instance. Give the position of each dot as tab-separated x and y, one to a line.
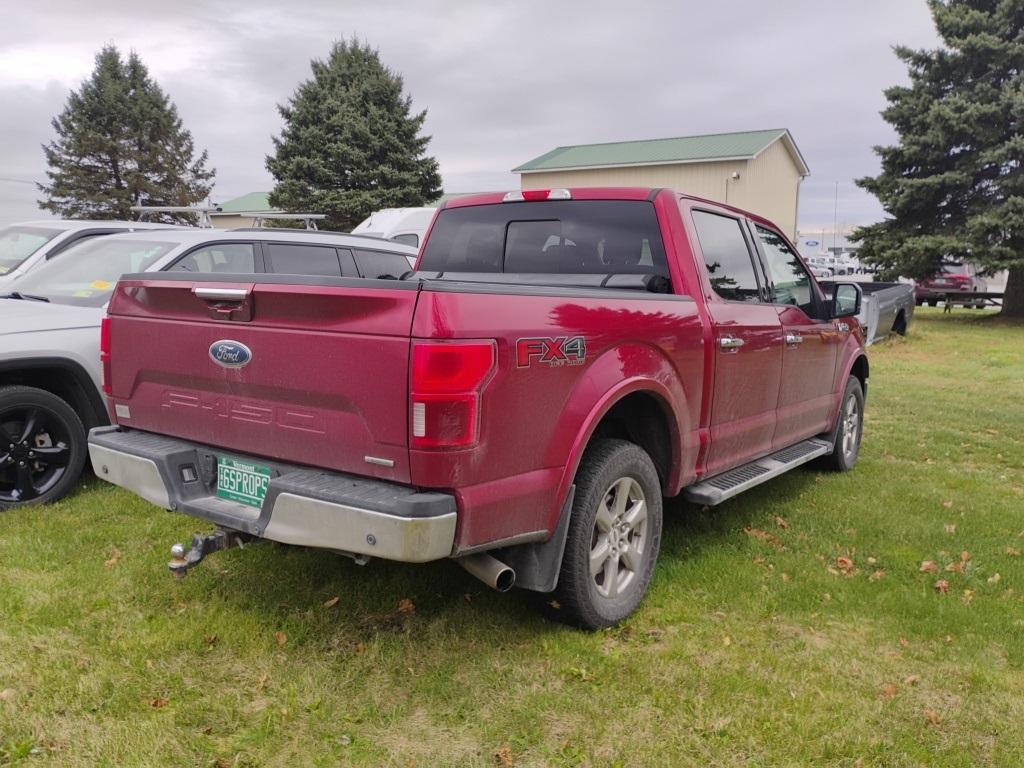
846	299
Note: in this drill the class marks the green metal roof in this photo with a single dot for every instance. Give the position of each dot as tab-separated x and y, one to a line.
683	149
254	202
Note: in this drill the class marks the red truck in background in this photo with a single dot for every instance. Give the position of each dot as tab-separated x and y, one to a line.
558	363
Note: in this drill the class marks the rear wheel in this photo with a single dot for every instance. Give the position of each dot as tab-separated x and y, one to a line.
613	539
42	447
846	448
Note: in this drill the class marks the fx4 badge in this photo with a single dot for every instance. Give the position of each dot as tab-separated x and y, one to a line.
557	351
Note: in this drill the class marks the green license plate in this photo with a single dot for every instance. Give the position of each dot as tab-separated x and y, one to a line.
241	481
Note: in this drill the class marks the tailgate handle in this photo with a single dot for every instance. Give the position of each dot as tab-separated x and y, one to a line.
221	294
226	303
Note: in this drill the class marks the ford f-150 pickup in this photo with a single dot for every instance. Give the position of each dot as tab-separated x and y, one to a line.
558	363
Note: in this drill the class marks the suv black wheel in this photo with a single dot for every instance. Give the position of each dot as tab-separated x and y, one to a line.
613	539
846	448
42	447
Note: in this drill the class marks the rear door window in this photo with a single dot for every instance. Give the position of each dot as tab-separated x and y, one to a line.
727	257
218	257
376	264
408	239
598	237
300	259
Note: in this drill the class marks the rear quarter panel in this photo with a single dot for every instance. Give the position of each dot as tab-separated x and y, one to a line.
536	418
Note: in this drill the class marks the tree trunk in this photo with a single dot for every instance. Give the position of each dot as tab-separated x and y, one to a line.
1013	298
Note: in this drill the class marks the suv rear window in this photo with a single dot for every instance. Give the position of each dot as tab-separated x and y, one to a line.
597	237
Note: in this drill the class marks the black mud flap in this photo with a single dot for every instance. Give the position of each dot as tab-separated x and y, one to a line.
537	565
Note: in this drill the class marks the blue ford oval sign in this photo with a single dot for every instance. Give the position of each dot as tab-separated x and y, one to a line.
230	354
812	242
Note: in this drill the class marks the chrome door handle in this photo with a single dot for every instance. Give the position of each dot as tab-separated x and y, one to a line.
794	338
730	342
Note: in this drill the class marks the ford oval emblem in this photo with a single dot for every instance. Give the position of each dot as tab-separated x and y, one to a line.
230	354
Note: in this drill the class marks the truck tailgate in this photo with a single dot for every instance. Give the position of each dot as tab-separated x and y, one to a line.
306	371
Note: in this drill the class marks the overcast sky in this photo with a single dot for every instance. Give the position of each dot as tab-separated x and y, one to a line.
502	82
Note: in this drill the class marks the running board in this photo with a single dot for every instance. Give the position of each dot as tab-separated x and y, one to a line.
717	489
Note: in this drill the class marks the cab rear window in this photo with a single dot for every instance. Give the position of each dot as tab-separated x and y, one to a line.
598	237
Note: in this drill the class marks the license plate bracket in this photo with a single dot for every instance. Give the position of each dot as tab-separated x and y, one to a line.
242	481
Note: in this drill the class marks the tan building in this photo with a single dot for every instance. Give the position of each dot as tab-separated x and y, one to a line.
759	171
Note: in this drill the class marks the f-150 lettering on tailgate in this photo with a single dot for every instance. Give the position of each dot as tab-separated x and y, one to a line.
250	411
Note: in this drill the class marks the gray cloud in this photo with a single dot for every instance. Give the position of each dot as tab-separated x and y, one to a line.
502	82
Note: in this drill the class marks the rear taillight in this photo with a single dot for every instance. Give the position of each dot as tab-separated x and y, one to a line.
446	381
105	353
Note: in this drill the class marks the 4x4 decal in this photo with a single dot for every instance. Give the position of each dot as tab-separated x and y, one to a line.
553	351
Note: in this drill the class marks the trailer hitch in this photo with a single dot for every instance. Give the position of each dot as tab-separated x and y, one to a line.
203	545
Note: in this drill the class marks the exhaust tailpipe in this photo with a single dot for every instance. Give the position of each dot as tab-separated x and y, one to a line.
490	571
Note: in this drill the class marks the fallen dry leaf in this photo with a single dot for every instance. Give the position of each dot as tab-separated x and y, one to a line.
757	533
955	568
965	556
332	602
1012	552
993	579
942	586
947	504
876	575
950	527
781	522
210	639
8	694
785	576
929	566
912	679
405	605
281	638
968	595
889	691
158	703
949	639
845	565
360	648
872	560
904	643
503	756
931	716
726	641
115	555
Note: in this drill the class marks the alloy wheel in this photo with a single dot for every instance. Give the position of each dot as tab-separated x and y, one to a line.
619	538
35	449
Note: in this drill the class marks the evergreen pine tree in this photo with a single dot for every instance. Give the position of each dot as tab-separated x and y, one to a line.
954	185
350	144
120	140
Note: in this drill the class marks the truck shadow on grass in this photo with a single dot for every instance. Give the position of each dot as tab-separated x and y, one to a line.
297	585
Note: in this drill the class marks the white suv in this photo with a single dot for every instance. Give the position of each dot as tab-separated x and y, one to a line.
25	246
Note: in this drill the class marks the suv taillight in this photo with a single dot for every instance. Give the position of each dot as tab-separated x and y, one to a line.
105	353
446	381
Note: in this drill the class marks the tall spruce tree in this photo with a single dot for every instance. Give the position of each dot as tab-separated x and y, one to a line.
954	185
350	143
120	140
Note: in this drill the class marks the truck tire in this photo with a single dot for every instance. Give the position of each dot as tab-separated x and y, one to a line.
850	430
42	447
616	526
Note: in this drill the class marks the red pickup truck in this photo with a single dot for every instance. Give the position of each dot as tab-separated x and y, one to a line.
558	363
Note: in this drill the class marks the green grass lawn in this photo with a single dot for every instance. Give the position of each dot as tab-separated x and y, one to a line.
790	626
